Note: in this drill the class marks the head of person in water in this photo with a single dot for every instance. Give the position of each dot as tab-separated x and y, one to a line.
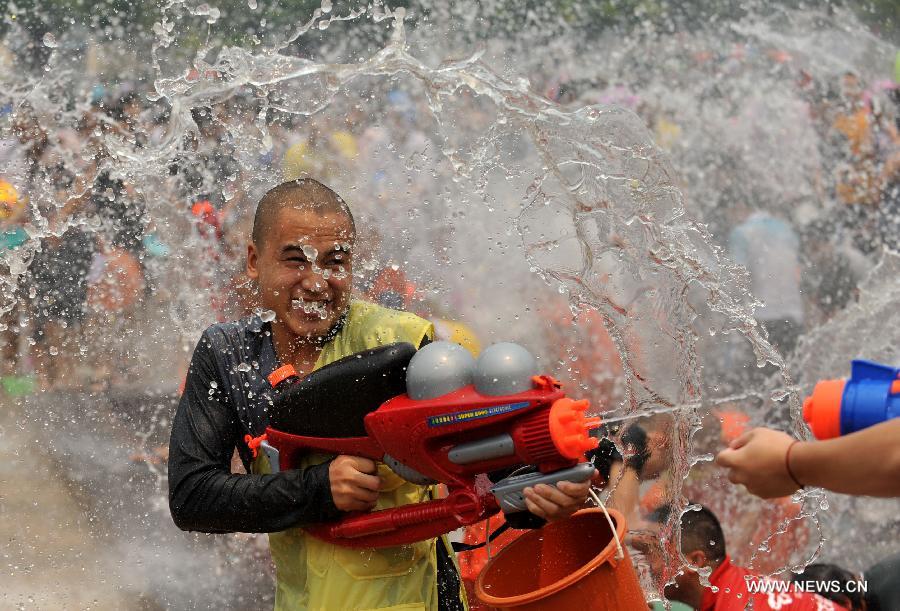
702	546
301	256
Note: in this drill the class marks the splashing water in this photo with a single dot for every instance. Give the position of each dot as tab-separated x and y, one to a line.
544	222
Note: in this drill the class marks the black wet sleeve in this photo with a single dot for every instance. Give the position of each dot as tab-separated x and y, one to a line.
204	495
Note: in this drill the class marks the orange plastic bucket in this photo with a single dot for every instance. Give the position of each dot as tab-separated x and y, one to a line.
565	565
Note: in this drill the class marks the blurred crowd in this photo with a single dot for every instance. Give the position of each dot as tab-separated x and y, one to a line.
91	251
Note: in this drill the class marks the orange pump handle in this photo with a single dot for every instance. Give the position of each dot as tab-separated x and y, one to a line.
569	428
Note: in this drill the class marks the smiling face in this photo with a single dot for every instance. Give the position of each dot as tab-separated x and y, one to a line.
304	271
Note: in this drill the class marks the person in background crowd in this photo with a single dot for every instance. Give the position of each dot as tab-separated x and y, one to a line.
883	580
768	247
12	236
703	548
848	591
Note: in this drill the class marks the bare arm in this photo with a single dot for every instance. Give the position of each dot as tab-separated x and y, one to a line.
626	490
863	463
866	462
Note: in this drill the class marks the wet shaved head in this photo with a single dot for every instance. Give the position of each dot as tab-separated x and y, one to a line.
300	194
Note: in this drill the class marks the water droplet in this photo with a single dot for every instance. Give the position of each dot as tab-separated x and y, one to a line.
779	395
310	253
326	6
54	350
50	41
243	367
252	4
267	315
213	384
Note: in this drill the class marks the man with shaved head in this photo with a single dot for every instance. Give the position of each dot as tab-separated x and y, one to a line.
301	258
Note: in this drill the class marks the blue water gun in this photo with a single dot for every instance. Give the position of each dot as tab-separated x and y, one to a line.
840	407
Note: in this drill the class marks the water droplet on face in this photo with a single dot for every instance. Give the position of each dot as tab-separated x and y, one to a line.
267	315
50	41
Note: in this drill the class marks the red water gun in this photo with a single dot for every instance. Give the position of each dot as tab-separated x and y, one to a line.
433	416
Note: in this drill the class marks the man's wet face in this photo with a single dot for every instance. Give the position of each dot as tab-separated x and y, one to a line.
304	270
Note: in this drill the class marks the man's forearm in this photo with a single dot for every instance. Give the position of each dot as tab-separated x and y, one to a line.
205	496
214	501
866	462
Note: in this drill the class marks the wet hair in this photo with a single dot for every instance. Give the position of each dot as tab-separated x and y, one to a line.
302	192
825	573
700	530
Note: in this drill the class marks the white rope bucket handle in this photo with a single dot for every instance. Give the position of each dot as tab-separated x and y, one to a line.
620	553
487	537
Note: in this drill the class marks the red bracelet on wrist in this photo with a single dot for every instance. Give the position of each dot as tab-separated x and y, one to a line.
787	464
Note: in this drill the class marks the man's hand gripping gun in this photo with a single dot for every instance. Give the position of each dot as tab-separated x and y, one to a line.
358	406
